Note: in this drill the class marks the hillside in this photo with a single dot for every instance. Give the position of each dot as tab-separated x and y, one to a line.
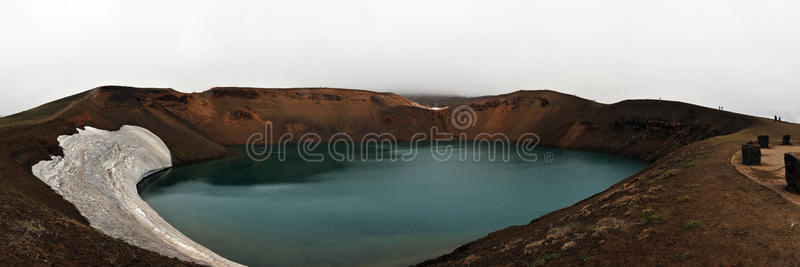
690	207
40	226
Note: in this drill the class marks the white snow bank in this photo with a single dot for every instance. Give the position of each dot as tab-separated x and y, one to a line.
98	174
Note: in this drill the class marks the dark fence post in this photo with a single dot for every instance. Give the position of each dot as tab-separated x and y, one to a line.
751	154
792	171
763	141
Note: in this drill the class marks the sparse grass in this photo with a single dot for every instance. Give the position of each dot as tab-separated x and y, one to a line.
686	255
689	164
659	175
583	258
689	186
651	181
670	173
573	225
547	258
632	208
655	216
683	198
723	138
691	224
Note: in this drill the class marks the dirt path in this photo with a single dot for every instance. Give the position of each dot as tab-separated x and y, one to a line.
770	173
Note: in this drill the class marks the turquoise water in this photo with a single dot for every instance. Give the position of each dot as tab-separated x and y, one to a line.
330	213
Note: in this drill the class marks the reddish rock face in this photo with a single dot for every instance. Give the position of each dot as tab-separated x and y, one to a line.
792	171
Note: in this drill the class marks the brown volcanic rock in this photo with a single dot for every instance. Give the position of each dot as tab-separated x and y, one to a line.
323	111
440	101
644	129
649	129
196	126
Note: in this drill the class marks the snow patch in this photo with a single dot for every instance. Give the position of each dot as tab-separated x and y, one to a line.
98	174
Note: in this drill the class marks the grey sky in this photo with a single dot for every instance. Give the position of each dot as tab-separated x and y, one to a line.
742	55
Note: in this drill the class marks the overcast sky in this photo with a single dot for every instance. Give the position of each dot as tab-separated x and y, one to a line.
743	55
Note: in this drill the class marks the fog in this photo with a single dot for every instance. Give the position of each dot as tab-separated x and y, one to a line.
742	55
